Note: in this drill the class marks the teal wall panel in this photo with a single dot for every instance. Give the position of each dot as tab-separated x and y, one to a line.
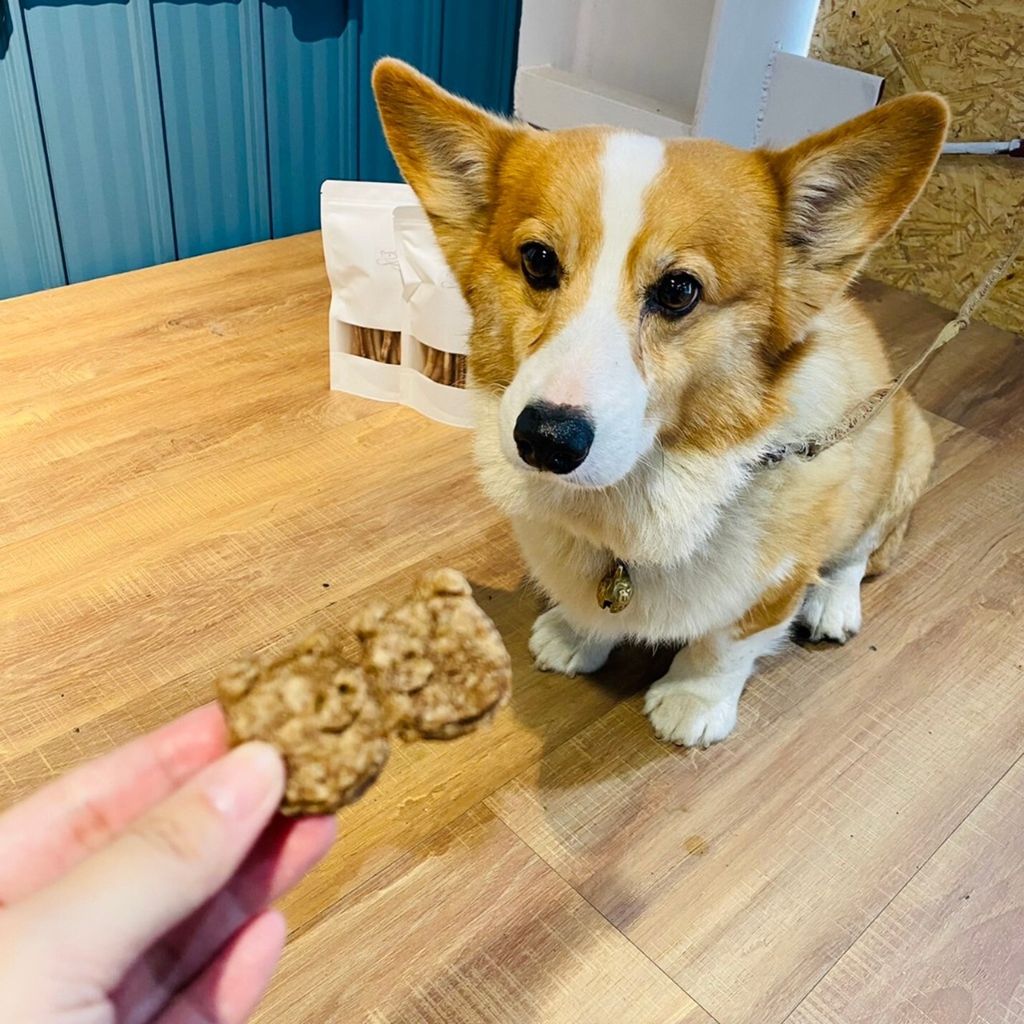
310	51
410	30
30	255
136	131
479	42
99	98
210	61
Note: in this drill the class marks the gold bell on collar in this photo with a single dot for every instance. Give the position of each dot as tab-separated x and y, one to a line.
615	590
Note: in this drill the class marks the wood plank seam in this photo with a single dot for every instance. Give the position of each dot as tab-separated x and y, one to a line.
924	863
421	853
496	811
653	963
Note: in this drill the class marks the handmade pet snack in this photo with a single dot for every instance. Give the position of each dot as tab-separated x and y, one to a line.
433	666
367	307
438	319
437	660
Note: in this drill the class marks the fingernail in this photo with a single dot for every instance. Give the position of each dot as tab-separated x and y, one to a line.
249	779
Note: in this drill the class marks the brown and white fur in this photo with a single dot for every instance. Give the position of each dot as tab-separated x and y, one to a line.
725	558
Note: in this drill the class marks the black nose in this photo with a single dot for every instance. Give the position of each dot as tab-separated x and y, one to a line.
553	437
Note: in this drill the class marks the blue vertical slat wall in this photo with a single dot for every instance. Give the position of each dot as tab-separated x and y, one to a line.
210	64
135	131
411	30
100	105
30	256
478	51
310	49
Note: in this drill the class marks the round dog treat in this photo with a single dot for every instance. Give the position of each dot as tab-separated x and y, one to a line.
437	661
321	714
432	666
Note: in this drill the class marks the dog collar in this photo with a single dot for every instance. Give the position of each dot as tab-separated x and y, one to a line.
615	590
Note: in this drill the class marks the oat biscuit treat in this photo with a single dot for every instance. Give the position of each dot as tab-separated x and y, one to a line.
320	713
432	666
437	660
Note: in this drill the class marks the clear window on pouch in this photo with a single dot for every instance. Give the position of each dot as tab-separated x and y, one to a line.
378	345
448	368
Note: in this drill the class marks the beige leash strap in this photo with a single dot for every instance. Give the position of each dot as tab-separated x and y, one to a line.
867	409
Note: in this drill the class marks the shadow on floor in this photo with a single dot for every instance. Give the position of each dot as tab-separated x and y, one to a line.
630	670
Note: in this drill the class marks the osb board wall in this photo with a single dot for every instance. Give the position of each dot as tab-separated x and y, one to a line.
971	51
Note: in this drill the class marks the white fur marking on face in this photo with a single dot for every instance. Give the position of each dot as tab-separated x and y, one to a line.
591	363
628	166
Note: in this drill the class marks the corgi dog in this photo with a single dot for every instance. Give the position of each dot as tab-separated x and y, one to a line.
650	317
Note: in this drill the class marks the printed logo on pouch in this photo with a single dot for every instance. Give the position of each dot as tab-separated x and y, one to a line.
387	258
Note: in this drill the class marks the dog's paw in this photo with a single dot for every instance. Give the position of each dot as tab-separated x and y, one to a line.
681	716
832	612
557	647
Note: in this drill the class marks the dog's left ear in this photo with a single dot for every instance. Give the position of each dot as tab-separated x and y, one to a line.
845	189
447	149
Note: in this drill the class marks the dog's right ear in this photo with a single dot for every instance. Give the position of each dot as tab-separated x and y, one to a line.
447	149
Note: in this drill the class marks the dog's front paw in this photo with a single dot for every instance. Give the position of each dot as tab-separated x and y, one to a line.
681	716
832	612
557	647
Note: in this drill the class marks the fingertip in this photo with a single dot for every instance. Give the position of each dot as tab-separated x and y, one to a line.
317	837
250	959
268	930
267	760
247	781
264	757
287	851
301	843
319	831
255	950
191	741
207	719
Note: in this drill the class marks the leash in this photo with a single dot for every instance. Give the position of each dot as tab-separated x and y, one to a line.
860	415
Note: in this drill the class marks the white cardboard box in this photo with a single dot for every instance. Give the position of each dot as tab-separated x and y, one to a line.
734	70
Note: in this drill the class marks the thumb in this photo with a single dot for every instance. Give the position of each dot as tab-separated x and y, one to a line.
118	902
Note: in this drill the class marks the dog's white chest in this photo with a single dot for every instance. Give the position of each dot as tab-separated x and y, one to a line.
670	602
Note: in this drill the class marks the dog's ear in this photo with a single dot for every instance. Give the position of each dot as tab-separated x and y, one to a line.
845	189
447	149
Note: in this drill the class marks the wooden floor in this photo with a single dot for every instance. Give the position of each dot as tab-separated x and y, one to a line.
177	484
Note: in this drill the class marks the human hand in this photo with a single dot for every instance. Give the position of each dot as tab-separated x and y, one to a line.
135	889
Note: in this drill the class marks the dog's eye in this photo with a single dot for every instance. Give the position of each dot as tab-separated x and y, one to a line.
676	294
540	265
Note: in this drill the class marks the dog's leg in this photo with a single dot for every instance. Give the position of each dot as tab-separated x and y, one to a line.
695	704
915	457
831	609
557	647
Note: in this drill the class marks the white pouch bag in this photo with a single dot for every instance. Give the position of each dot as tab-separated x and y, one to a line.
436	326
367	307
